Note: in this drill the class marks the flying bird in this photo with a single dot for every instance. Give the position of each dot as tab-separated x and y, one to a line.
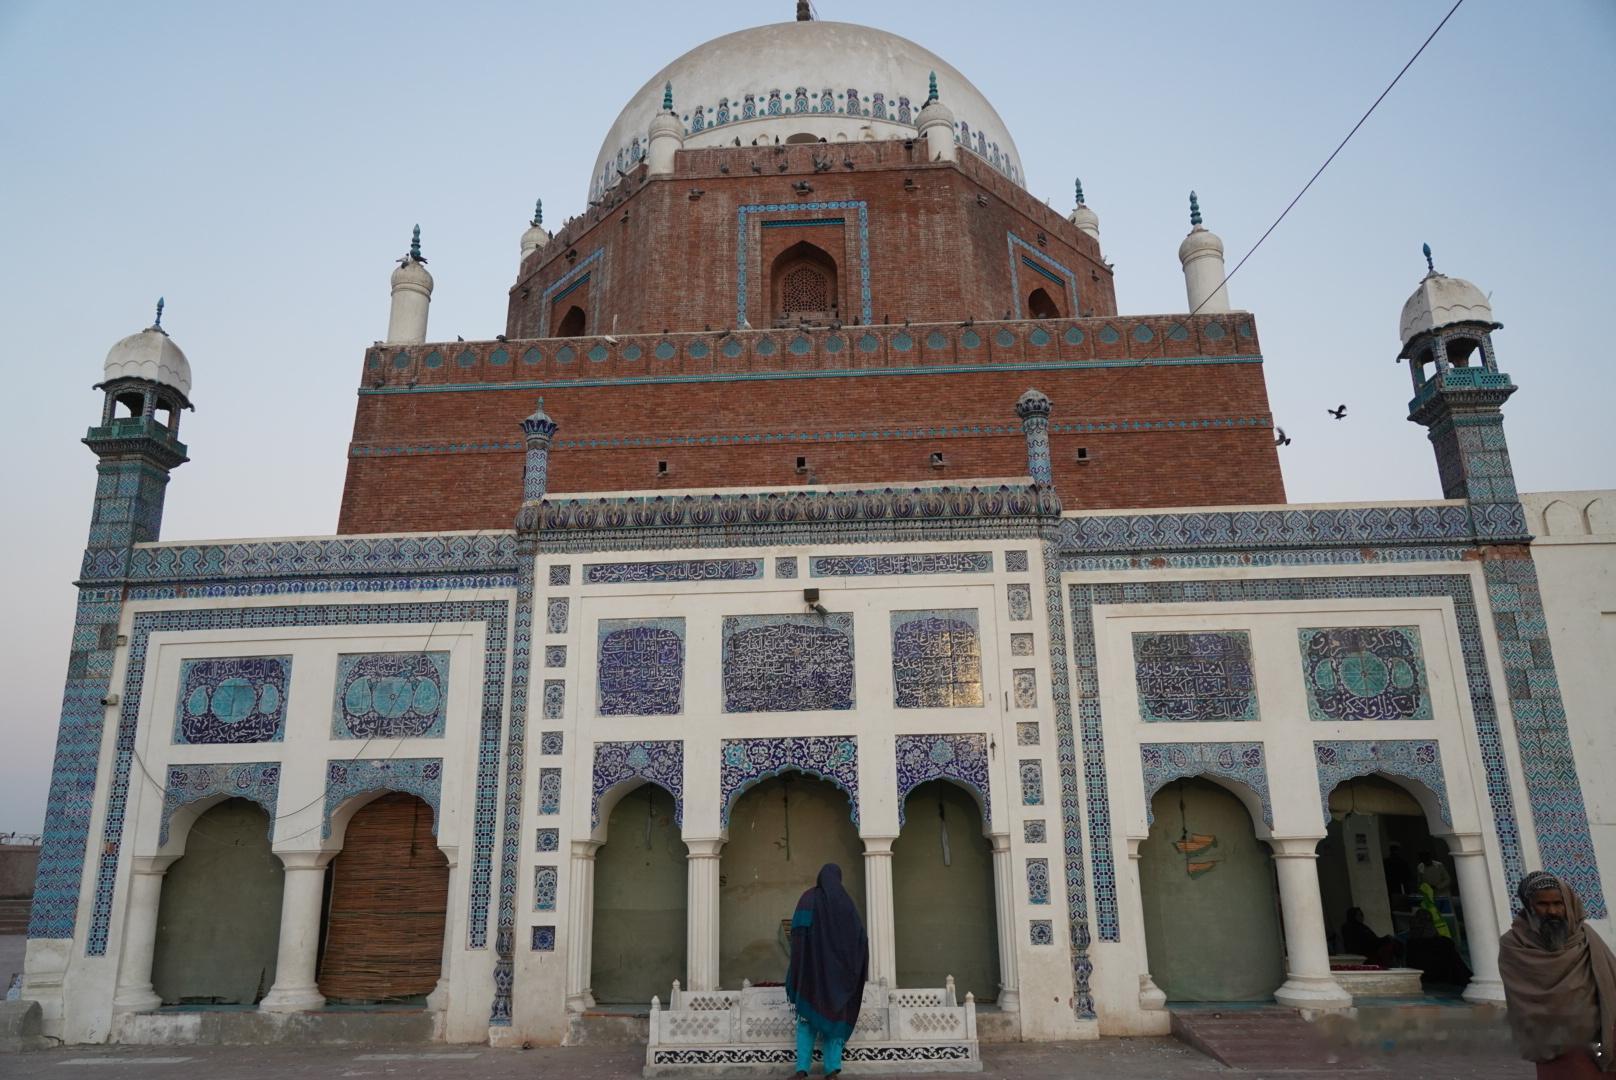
1280	438
1339	414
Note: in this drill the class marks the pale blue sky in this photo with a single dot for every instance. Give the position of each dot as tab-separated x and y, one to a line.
261	166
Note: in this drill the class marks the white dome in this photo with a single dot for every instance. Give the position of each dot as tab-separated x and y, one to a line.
1200	239
1440	301
150	355
774	80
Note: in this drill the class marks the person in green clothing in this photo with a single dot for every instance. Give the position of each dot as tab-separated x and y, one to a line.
830	962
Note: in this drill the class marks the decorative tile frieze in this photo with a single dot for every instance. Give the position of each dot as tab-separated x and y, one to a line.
1366	526
961	758
1196	677
1241	762
327	557
258	781
549	791
936	659
1032	783
545	881
788	663
640	667
398	695
661	763
943	562
232	699
1364	673
421	777
1413	759
1038	881
653	573
828	757
1024	684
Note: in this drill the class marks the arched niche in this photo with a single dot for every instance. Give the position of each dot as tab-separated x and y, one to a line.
781	830
639	929
1211	909
944	910
219	914
572	324
804	283
1561	519
1040	305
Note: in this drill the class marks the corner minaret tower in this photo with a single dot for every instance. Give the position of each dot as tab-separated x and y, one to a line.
1459	393
1201	255
412	296
1083	217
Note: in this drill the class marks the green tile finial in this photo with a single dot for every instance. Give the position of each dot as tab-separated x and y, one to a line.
158	323
415	245
538	212
1080	192
931	94
1430	266
667	97
1195	210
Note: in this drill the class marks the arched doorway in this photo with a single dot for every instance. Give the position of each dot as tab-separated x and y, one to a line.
639	928
781	832
944	914
387	898
219	918
1040	305
804	283
572	323
1212	928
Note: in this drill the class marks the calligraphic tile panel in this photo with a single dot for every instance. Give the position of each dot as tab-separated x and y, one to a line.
1202	676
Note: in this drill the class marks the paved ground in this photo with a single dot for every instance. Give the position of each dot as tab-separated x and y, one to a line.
1105	1059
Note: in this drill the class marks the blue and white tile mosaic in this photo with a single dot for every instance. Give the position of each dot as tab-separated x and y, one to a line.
422	777
936	659
1032	783
555	656
828	757
961	758
560	575
1037	881
232	699
1015	562
1199	677
743	261
1413	759
788	663
551	743
545	881
1241	762
640	667
1021	645
1027	733
943	562
654	573
1034	831
549	791
1364	673
556	611
555	699
1024	684
332	564
258	781
1040	932
397	695
547	840
661	763
785	567
544	939
1020	598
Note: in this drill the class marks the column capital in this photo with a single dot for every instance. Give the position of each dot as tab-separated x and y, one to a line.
1000	842
305	860
152	864
1295	847
705	847
585	849
1461	845
877	845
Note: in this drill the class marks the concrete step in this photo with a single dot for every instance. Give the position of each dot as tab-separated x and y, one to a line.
14	916
609	1027
1262	1038
249	1027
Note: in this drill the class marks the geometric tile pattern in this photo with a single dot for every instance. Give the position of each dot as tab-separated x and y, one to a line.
1241	762
1015	562
256	780
866	310
1413	759
936	659
510	854
1364	673
1245	531
640	665
232	699
491	612
1552	785
1204	676
945	562
390	695
422	777
544	939
659	763
787	663
961	758
747	761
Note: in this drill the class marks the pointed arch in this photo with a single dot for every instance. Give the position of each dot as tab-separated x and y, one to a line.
804	282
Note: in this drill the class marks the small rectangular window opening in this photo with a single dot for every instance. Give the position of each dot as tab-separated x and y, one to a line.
802	464
937	459
662	468
1082	453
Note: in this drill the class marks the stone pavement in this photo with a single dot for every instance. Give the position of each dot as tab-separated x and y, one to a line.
1103	1059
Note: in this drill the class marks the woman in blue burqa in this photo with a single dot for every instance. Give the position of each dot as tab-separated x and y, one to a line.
830	960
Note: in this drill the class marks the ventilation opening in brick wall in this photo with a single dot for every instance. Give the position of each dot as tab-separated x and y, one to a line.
1040	305
804	283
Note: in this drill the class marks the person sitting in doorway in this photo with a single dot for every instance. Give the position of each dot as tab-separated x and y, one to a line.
1434	872
1434	953
830	962
1357	937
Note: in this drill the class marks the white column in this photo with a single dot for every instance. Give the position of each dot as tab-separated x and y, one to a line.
1004	907
701	914
1308	982
1480	918
438	999
135	993
581	925
1151	996
878	909
301	896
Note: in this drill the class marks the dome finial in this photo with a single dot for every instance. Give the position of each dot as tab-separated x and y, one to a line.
1195	210
157	324
803	14
931	94
1080	191
415	245
1430	266
538	212
667	97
